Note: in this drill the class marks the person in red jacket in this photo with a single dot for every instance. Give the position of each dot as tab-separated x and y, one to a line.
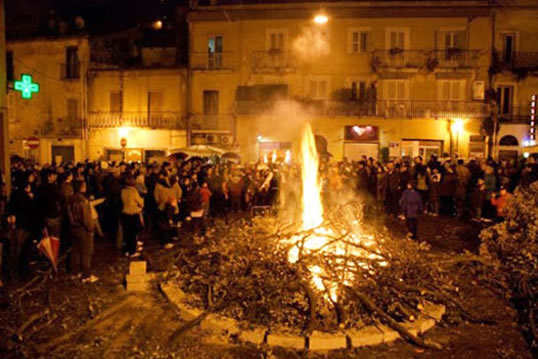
500	201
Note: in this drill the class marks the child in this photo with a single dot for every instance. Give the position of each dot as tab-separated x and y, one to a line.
477	200
411	204
206	197
500	201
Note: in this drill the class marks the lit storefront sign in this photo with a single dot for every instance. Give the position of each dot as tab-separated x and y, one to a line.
532	130
26	86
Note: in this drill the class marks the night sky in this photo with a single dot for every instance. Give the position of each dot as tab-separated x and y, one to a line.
30	17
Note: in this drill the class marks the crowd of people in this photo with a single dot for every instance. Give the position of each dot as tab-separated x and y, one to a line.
78	202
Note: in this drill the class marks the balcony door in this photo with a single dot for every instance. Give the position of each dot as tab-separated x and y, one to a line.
214	52
154	107
505	98
453	41
276	44
508	47
71	63
396	41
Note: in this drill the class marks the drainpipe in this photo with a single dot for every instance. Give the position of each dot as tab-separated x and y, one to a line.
493	107
189	82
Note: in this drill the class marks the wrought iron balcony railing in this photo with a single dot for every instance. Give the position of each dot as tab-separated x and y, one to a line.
211	122
70	71
431	109
454	58
273	61
518	61
398	58
380	108
212	61
154	119
518	114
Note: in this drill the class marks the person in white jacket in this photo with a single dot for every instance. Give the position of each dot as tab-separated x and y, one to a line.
131	216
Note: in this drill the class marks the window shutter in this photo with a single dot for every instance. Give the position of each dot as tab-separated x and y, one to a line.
364	42
455	90
322	89
391	90
445	92
401	90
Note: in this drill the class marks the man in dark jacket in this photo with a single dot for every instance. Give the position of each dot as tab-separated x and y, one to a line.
82	229
411	204
48	201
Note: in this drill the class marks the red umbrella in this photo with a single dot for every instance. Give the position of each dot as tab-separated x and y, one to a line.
50	247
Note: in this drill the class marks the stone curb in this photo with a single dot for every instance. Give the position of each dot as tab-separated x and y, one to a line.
317	341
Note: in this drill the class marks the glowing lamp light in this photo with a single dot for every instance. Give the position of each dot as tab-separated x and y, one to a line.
260	138
288	157
457	126
157	25
321	19
123	131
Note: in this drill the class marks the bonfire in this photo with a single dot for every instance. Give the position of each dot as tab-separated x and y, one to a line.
328	270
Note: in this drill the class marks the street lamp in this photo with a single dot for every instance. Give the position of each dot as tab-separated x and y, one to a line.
457	127
321	19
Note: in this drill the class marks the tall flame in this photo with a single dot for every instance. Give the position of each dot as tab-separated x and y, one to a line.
312	206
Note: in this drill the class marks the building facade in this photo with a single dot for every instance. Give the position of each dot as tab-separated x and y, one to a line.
396	77
375	78
54	116
515	74
136	114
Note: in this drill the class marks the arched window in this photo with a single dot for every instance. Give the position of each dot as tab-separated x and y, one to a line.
508	140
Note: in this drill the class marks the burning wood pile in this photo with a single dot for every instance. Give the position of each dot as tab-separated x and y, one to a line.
330	272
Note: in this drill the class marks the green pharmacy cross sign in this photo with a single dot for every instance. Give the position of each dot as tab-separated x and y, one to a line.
26	86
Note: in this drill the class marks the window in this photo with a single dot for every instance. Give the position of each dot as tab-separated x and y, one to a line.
72	110
71	70
358	91
397	40
318	89
115	102
154	101
451	90
452	42
9	66
276	40
396	90
358	41
214	52
508	47
211	102
505	97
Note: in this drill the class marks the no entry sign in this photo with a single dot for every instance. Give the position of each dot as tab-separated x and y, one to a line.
32	142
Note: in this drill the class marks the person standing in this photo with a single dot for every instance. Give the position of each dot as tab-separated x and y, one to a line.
393	189
49	204
82	228
412	206
131	216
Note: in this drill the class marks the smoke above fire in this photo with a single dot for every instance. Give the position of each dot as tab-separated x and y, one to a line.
311	44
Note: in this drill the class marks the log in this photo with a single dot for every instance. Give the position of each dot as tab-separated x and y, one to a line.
373	308
33	318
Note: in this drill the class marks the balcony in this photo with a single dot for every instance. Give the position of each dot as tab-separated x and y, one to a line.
398	59
517	115
70	71
273	61
453	58
157	119
518	61
381	108
220	123
215	61
431	109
